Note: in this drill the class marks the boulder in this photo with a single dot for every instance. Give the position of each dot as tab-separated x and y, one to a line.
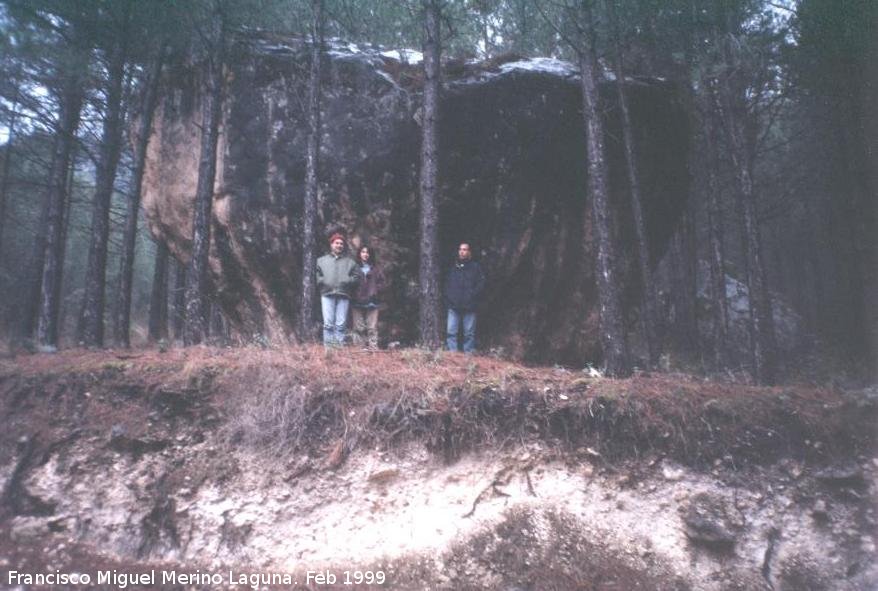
707	524
513	183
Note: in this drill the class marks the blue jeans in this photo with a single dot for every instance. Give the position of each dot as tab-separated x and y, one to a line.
335	318
469	330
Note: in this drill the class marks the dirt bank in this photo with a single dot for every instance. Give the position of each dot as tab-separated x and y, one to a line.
438	470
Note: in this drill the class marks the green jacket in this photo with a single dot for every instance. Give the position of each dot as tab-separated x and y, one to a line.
337	276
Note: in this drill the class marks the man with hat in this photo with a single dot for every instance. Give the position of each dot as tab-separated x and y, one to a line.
337	277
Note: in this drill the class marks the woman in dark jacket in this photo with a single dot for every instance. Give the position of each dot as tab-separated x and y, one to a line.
366	301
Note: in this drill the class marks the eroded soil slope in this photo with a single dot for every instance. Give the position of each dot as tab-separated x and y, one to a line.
439	470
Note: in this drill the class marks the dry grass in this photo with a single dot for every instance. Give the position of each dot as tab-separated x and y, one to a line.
328	403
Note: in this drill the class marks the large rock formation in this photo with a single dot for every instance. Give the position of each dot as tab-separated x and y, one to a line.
513	182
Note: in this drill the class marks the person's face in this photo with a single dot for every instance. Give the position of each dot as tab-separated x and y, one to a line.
463	252
337	246
364	255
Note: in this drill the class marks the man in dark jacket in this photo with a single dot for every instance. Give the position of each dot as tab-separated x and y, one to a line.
337	277
463	288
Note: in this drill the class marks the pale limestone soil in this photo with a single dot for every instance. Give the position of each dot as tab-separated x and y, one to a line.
405	511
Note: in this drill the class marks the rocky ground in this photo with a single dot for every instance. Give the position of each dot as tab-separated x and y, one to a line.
436	470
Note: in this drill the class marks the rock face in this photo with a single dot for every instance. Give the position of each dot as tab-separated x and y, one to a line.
513	183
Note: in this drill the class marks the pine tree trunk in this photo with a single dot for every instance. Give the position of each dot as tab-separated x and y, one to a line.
49	289
761	322
648	298
860	215
717	250
179	299
217	324
684	289
129	240
158	299
613	339
34	282
92	314
309	221
429	255
62	248
196	322
7	160
817	299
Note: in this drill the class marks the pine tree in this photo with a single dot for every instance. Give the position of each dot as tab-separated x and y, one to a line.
51	262
613	338
196	323
129	240
179	299
429	217
715	239
731	110
91	321
158	301
309	221
834	63
7	160
649	295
